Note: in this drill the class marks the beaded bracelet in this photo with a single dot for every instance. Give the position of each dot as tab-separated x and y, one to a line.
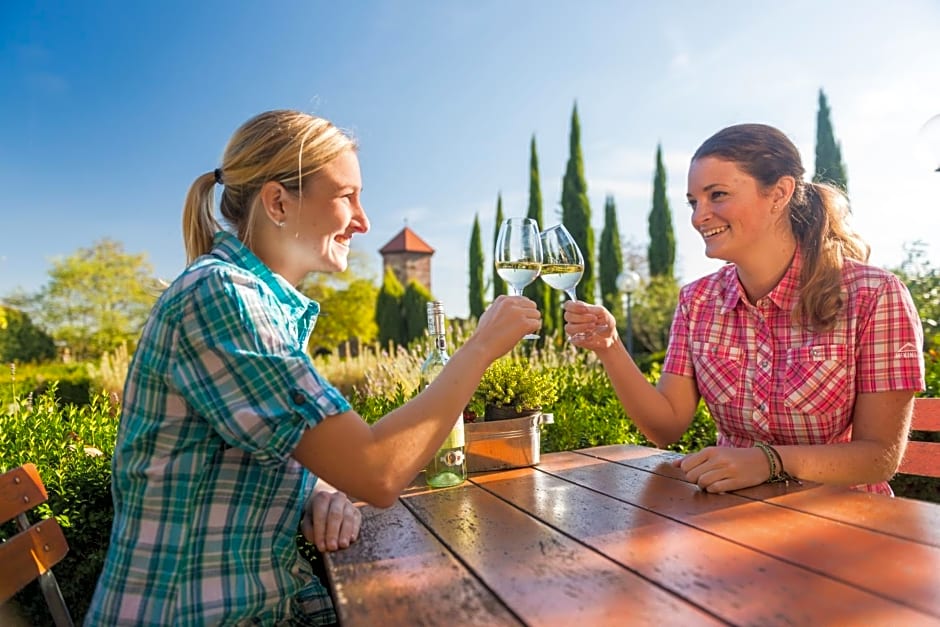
774	459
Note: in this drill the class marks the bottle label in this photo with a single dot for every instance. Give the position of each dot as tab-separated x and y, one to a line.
455	439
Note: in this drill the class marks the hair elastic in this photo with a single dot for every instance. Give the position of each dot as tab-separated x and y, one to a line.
218	176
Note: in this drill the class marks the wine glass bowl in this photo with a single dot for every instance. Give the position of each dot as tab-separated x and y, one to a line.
563	266
518	254
562	261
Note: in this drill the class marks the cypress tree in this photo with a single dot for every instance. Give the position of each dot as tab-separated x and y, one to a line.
414	304
576	210
610	258
476	270
829	166
662	247
499	285
538	291
388	311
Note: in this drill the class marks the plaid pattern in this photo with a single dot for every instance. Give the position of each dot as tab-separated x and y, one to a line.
765	380
207	498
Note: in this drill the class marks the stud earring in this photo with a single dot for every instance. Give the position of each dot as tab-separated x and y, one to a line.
280	224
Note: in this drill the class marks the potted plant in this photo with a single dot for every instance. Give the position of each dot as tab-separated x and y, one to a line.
511	389
510	398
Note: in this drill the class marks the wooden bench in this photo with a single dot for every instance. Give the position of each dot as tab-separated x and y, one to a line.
36	548
923	458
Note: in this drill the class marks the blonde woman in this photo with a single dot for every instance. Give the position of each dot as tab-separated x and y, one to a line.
807	358
226	426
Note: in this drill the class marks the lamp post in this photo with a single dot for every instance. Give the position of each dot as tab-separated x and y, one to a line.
627	282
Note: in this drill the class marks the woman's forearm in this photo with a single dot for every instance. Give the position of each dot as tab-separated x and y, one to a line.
662	415
846	463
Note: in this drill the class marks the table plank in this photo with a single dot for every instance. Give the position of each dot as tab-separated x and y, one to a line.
398	573
914	520
899	569
729	579
542	575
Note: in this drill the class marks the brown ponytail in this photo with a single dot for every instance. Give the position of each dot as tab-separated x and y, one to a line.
819	218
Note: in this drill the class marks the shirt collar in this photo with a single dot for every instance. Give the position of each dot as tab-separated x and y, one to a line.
229	248
784	295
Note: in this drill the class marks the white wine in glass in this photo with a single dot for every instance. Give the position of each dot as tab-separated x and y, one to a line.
562	263
518	254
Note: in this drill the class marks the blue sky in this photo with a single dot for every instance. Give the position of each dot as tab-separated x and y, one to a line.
111	109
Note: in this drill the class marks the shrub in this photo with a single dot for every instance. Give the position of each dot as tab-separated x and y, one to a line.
72	383
71	446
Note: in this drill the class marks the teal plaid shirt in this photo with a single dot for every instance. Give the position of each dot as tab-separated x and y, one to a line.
207	498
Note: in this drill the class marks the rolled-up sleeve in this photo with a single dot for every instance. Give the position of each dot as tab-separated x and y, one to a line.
240	367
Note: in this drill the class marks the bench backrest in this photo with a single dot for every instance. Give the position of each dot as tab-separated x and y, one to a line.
36	548
923	458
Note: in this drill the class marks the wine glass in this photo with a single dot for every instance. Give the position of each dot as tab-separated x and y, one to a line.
563	265
518	255
562	261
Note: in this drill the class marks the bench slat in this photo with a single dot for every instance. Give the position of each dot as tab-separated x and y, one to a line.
926	414
21	489
29	554
921	458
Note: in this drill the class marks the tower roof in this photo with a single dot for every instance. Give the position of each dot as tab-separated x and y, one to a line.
407	241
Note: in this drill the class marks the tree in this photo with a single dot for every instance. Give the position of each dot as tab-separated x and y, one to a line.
499	285
415	311
21	341
653	309
347	301
476	270
610	257
96	299
662	248
923	281
829	166
388	310
537	290
576	209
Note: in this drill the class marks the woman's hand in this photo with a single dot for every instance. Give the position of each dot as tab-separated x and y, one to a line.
330	520
590	326
724	468
504	323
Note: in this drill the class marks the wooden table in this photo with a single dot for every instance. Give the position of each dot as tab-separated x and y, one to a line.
613	536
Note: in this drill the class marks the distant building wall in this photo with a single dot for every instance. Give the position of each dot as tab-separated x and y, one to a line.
409	266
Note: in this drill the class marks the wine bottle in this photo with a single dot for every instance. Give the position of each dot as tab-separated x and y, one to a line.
448	467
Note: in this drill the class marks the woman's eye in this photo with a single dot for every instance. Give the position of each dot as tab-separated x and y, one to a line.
691	204
716	195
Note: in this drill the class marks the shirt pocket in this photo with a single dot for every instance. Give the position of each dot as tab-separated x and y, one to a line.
717	371
817	379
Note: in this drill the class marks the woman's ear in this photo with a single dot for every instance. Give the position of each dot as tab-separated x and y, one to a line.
273	196
782	191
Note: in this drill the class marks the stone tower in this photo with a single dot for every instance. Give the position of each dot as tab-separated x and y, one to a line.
409	257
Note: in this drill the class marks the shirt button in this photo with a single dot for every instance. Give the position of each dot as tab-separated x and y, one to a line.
298	397
765	364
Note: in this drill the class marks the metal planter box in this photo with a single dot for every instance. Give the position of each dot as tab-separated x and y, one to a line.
500	444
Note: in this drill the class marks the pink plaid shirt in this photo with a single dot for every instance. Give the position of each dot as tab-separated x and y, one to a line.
768	381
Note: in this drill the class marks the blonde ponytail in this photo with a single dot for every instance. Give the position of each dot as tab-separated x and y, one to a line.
199	223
